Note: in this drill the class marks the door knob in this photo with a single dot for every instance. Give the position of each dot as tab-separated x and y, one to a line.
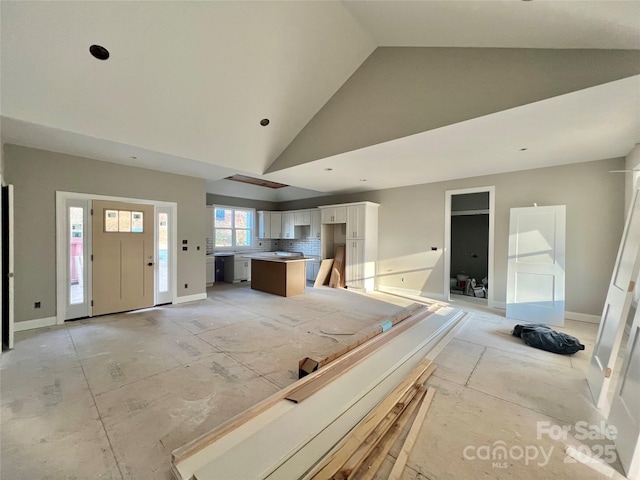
150	264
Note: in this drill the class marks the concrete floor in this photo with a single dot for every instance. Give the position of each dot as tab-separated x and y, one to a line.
111	397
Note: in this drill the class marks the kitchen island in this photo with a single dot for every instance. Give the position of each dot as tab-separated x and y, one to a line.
284	276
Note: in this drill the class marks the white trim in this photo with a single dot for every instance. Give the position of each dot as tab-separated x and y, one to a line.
500	305
190	298
447	239
61	197
627	329
36	323
411	293
582	317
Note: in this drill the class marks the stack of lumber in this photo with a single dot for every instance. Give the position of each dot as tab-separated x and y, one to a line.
298	432
337	279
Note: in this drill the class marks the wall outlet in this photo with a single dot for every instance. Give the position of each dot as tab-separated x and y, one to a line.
36	305
186	285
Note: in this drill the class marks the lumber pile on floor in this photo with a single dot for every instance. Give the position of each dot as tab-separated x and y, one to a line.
338	417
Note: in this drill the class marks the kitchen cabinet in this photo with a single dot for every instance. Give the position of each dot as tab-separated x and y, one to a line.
356	221
264	224
302	218
315	231
288	225
312	270
276	225
356	272
241	269
211	270
358	231
334	214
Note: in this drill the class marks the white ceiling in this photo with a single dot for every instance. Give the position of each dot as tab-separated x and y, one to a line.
188	82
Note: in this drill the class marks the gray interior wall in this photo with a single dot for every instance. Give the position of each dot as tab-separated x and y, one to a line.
38	174
470	246
411	220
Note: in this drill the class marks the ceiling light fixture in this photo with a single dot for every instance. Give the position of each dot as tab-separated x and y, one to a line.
264	122
363	179
99	52
524	149
134	157
328	169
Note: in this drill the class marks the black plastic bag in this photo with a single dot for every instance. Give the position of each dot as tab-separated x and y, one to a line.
543	337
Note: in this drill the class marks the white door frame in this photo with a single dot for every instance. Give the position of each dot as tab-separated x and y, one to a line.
10	281
61	247
447	238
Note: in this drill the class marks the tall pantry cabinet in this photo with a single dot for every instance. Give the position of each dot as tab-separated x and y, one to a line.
357	229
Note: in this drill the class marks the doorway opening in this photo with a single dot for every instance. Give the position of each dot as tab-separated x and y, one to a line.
469	225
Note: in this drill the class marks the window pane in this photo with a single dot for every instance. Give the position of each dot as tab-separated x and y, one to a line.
136	222
243	219
163	253
223	218
243	238
110	220
76	242
223	237
124	221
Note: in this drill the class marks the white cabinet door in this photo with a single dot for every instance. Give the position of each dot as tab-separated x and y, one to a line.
355	265
264	224
276	225
535	268
241	270
316	225
334	215
288	227
355	221
211	271
302	218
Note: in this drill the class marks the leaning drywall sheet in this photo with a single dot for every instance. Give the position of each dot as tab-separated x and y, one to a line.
277	440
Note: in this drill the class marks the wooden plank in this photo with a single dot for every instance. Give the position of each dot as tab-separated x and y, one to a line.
368	424
324	272
286	445
349	468
403	456
337	271
308	365
376	457
352	359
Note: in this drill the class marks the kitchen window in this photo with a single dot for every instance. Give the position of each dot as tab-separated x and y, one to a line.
233	227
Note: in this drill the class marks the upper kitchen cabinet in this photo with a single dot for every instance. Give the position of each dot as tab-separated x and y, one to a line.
302	218
316	225
356	215
288	225
334	214
276	225
264	224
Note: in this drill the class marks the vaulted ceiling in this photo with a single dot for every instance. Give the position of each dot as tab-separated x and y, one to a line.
384	94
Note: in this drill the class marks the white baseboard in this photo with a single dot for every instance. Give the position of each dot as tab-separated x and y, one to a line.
35	323
582	317
411	293
190	298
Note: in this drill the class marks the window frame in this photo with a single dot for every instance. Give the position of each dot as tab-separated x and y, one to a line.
252	229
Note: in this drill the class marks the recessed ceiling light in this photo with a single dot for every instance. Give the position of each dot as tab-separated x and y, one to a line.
363	179
524	149
134	157
328	169
264	122
99	52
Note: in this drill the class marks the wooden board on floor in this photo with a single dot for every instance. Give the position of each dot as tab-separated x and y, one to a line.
324	273
337	271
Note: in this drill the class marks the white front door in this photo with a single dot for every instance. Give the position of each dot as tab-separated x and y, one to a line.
625	408
616	306
535	269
